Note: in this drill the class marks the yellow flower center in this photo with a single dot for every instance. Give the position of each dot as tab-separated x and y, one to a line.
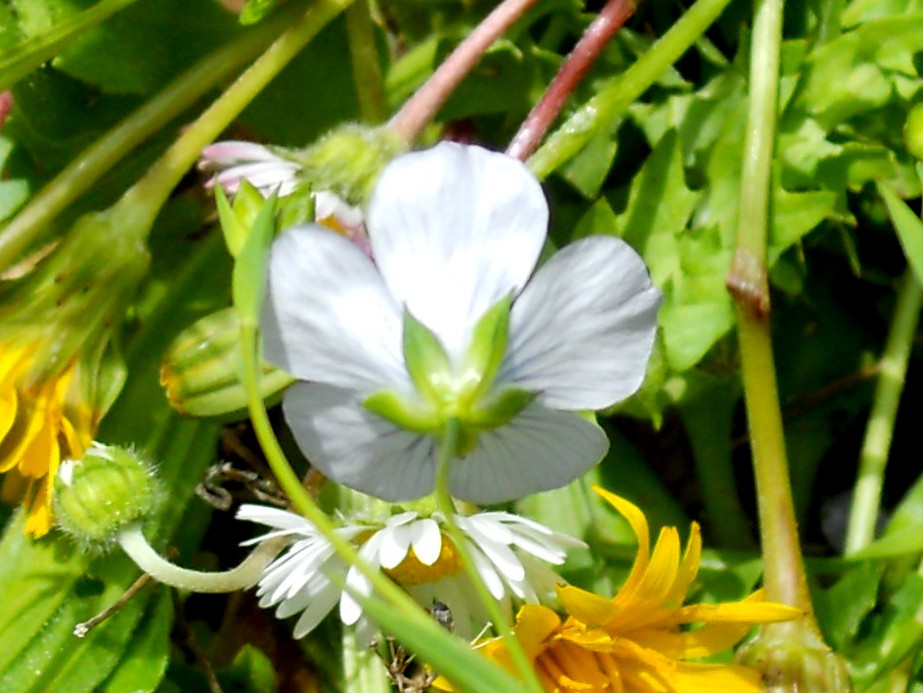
411	572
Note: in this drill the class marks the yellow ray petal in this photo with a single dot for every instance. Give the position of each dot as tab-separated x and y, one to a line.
688	569
587	607
639	526
717	678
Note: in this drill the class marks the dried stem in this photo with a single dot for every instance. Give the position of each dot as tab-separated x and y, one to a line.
601	30
423	105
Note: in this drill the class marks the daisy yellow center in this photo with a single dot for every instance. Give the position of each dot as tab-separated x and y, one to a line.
411	571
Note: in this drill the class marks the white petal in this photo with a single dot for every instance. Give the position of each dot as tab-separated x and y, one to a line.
487	572
426	541
228	152
582	331
357	583
539	450
454	229
322	604
356	448
496	551
328	317
394	544
274	517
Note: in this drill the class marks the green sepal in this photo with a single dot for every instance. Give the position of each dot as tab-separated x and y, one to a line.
297	207
427	362
237	218
399	411
487	349
248	279
501	409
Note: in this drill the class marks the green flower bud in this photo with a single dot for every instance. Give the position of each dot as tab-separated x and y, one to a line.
201	369
102	493
913	131
347	160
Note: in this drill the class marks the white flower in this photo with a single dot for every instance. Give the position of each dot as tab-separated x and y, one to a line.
234	161
455	231
510	554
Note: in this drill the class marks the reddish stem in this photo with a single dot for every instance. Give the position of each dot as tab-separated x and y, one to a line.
612	17
423	105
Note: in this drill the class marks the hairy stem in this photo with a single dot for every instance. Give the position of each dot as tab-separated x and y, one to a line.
601	30
363	51
245	575
424	104
148	195
873	459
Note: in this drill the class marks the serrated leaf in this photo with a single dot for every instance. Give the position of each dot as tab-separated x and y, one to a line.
842	608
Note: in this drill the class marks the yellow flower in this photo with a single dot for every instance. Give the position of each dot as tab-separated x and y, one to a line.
639	641
41	423
58	372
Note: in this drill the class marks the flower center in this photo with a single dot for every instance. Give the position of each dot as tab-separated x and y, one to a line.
411	572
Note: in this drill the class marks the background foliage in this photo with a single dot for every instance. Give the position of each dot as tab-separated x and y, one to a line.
664	174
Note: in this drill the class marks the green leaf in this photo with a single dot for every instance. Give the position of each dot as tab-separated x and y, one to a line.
255	10
141	49
45	39
909	229
145	659
843	607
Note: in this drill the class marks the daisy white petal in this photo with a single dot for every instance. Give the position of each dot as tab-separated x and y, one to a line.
351	445
582	331
321	605
395	542
328	316
357	583
539	450
453	230
426	541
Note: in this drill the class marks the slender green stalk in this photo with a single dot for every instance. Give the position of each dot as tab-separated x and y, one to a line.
792	655
363	50
447	446
303	503
19	60
92	163
148	195
622	91
866	503
244	576
363	670
784	568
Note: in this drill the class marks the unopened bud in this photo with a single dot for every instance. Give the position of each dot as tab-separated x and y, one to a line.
100	494
201	370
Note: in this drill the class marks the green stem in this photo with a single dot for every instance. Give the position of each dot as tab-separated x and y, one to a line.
784	578
144	200
363	51
447	446
303	503
363	670
92	163
19	60
622	91
866	503
244	576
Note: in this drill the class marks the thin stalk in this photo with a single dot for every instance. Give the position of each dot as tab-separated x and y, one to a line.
447	446
148	195
19	60
424	104
622	91
601	30
80	175
363	670
304	504
784	576
244	576
863	516
363	51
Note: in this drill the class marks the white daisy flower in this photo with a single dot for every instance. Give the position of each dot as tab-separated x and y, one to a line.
233	161
445	322
511	554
